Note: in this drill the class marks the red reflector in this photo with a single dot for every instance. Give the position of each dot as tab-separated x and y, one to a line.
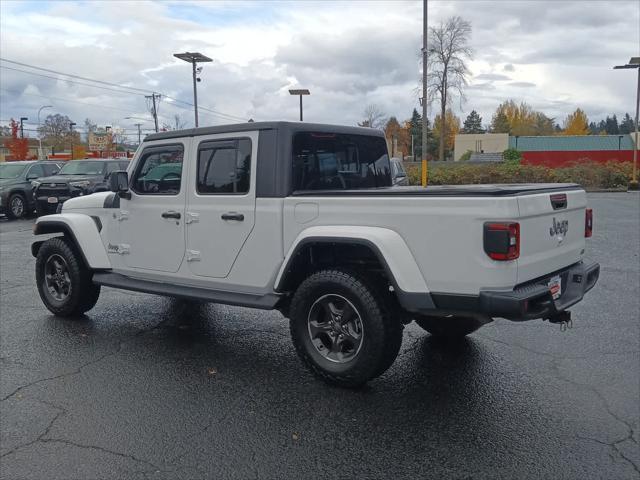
502	240
588	223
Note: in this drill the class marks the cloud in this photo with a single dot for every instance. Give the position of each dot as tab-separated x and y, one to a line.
349	54
492	77
521	84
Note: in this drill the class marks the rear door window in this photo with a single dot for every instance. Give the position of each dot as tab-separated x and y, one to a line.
327	161
224	166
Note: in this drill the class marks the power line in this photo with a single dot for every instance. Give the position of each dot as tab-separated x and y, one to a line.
74	76
68	81
133	89
66	100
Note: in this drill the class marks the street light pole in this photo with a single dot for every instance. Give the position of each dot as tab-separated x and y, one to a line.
22	119
634	62
71	125
107	129
40	155
193	58
300	92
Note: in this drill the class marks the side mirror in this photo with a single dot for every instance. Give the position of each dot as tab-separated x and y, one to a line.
119	182
32	176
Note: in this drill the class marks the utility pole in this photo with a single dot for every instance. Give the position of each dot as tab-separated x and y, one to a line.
154	107
425	31
139	133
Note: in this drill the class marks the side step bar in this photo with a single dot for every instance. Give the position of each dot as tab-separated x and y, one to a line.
116	280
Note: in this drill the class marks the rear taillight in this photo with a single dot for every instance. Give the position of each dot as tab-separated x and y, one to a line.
588	223
502	240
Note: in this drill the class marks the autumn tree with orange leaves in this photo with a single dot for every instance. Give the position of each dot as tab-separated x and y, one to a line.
18	147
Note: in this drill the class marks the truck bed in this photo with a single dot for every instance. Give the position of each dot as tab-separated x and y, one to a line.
487	190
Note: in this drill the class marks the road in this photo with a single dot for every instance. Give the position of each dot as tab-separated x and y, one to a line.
148	387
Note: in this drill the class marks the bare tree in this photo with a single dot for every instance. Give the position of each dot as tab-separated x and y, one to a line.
56	131
179	123
446	65
374	117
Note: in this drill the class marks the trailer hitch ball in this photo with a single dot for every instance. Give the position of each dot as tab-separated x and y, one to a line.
563	318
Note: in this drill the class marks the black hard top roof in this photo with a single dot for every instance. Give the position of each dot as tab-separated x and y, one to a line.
253	126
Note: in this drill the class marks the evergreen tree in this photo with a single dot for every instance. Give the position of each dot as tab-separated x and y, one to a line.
611	125
415	130
627	125
473	123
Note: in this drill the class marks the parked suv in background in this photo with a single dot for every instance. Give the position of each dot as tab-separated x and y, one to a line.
75	179
16	196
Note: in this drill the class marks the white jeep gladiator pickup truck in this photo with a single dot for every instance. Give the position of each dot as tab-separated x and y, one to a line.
303	218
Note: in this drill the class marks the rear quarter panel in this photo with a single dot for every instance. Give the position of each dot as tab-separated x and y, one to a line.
444	234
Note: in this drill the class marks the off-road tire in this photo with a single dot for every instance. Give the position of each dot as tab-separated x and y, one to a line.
449	327
17	197
83	293
382	331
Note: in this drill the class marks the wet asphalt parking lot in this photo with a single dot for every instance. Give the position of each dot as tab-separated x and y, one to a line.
145	387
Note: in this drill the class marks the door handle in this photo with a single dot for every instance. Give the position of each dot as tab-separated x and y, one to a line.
233	216
171	214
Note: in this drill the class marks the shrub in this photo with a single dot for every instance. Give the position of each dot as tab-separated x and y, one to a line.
512	156
466	156
588	174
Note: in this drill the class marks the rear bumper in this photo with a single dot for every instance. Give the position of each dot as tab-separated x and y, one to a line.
534	300
528	301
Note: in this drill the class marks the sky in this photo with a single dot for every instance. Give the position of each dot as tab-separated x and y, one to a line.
555	55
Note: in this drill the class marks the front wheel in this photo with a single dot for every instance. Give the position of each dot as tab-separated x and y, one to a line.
449	327
64	281
17	206
343	328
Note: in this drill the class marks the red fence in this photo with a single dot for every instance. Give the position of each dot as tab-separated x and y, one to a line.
557	159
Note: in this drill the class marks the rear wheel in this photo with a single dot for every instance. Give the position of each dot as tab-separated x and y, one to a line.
64	281
342	328
17	207
449	327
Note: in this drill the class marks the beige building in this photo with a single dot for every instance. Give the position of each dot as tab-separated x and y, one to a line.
480	143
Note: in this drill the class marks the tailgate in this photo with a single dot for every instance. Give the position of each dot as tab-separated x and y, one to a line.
551	232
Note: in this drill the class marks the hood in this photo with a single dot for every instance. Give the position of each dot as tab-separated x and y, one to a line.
10	181
95	200
70	178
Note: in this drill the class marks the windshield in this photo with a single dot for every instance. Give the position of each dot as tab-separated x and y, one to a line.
11	171
81	167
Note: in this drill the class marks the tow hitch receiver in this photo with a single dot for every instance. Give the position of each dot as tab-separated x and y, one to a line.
563	318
